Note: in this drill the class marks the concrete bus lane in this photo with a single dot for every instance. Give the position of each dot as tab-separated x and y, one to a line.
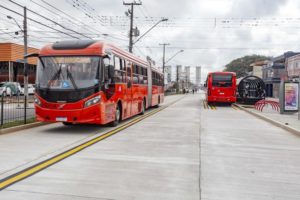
157	158
22	149
243	157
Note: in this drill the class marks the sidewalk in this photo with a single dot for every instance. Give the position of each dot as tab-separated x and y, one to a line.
289	122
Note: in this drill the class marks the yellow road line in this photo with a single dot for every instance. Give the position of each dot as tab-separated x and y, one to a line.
235	107
46	163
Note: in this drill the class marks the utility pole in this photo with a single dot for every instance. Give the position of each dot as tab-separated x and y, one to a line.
164	52
177	78
25	53
131	22
177	73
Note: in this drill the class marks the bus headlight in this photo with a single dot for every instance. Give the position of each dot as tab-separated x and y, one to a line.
37	101
92	101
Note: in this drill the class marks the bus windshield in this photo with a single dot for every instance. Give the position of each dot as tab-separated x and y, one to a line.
222	80
68	72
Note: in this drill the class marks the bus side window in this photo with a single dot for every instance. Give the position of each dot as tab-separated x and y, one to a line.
107	61
145	76
117	63
140	75
160	80
135	74
153	78
122	67
118	73
128	73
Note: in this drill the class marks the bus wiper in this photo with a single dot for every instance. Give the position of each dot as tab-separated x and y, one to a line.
69	74
55	76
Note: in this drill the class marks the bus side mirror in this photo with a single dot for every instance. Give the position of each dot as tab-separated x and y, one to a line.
31	55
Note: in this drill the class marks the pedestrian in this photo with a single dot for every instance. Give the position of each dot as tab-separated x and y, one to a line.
193	91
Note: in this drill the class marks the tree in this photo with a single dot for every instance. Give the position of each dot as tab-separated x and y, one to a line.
241	66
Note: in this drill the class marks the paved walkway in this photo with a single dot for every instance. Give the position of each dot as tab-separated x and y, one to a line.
290	119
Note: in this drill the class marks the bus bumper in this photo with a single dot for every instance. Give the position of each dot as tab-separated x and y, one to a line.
212	99
89	115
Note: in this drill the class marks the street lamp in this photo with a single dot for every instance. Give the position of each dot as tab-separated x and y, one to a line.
165	62
24	31
10	17
174	55
162	20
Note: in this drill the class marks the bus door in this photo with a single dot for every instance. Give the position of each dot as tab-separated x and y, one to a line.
128	92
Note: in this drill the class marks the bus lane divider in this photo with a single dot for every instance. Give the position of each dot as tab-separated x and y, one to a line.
25	173
208	106
235	107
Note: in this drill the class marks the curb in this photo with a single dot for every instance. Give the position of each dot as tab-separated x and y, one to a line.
21	127
267	119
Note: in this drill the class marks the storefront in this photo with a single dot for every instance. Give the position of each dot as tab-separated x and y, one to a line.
11	63
274	72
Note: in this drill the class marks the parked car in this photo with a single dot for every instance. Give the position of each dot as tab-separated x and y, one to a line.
30	89
10	88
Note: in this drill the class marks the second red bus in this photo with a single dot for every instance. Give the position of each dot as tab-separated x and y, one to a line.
221	87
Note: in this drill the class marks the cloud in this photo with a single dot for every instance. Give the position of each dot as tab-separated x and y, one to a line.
256	8
194	25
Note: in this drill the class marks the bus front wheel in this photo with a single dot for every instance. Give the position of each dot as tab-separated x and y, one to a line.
117	116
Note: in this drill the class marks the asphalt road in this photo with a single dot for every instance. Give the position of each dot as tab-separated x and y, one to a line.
186	151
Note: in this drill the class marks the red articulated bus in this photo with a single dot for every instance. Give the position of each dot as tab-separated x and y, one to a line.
221	87
92	82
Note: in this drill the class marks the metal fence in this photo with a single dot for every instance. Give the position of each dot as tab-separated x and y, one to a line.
16	110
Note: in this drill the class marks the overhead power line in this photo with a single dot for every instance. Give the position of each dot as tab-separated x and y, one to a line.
66	15
62	26
40	23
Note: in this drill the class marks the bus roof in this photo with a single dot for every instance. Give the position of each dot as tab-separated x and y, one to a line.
233	73
89	47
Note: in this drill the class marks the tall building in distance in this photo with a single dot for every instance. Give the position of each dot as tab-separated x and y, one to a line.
198	76
178	72
187	73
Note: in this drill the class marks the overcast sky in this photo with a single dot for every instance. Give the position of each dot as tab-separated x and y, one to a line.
211	32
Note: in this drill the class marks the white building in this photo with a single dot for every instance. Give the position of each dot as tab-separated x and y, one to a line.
178	72
198	76
187	70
